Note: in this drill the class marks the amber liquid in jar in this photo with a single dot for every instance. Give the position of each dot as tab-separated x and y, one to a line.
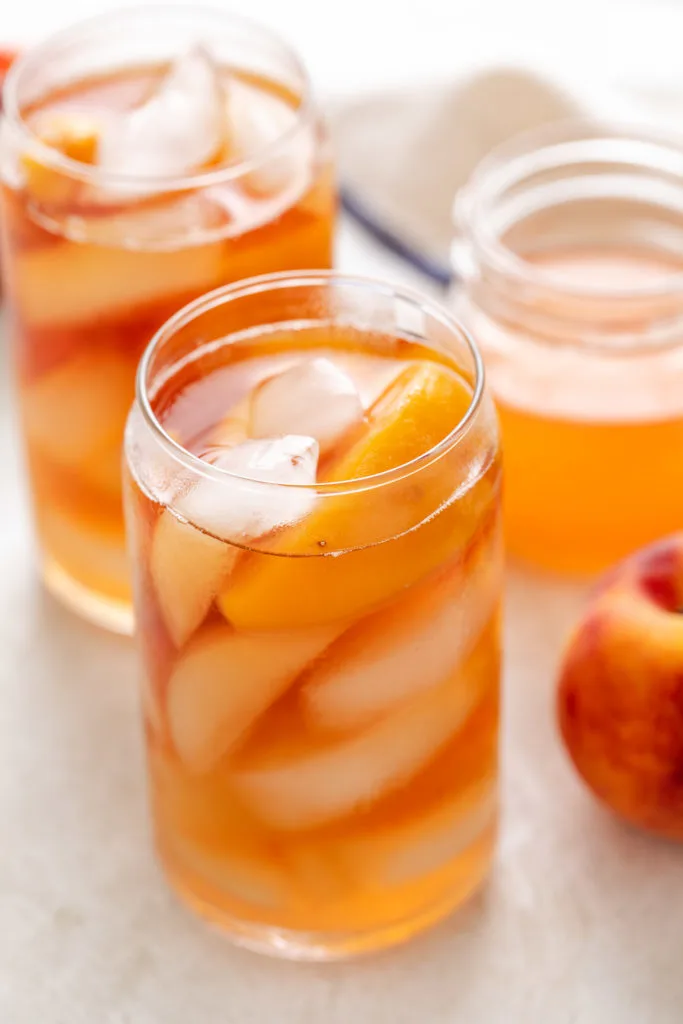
571	280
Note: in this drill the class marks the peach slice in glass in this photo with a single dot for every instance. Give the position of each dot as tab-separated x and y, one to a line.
409	647
188	568
223	682
320	782
75	135
96	557
418	847
74	411
417	411
192	556
70	285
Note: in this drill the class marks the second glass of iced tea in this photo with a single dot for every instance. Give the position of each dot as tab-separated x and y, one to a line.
313	508
146	157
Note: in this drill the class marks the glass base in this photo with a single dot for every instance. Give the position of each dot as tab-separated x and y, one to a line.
324	946
107	612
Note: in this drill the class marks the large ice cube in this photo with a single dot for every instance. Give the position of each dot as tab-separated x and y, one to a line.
409	647
312	397
181	127
241	508
257	120
317	785
225	680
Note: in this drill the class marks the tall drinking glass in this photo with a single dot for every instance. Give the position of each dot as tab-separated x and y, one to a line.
313	507
146	157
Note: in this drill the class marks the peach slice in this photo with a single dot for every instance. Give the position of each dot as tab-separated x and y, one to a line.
415	849
318	784
313	397
410	647
76	410
240	875
73	133
224	681
188	568
71	285
415	413
97	559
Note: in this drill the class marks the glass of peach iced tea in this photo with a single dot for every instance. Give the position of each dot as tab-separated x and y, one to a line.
146	157
313	508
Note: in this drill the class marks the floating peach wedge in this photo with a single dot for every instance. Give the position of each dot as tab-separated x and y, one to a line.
417	411
312	397
416	848
75	135
74	411
320	783
224	681
620	699
410	647
188	568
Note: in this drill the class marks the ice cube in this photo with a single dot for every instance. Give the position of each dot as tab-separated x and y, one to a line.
241	508
225	680
411	646
318	785
312	397
257	119
181	128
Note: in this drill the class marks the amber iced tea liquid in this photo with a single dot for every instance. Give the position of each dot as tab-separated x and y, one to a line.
319	624
572	283
128	191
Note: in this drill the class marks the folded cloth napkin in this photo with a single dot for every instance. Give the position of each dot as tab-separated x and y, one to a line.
402	158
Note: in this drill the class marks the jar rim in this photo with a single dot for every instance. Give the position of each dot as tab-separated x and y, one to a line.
556	145
307	279
97	26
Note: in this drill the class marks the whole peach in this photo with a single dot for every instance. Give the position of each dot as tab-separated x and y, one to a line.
620	699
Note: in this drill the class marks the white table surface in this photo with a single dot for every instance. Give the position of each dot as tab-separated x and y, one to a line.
582	922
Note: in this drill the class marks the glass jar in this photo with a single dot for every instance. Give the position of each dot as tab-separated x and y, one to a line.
568	265
146	157
321	652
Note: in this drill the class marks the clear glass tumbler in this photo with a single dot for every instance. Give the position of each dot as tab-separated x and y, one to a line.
146	157
313	508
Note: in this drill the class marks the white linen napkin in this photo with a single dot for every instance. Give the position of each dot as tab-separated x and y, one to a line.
403	157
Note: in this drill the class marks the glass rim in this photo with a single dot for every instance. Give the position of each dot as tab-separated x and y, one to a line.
512	162
307	278
54	159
